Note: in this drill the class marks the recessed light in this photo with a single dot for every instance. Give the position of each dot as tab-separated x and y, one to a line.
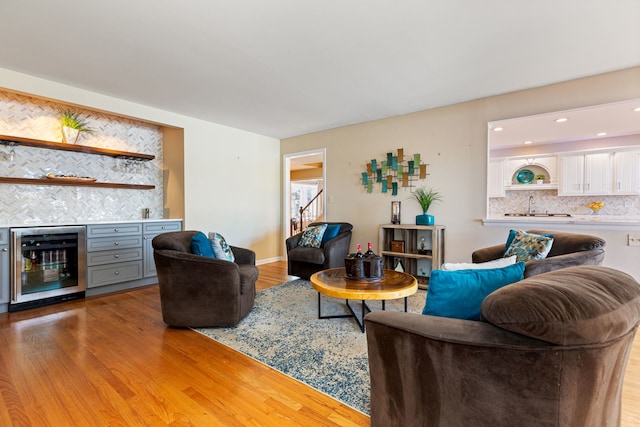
601	134
528	142
636	109
561	120
498	129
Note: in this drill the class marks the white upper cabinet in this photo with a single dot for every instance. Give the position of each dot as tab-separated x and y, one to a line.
627	172
599	173
496	178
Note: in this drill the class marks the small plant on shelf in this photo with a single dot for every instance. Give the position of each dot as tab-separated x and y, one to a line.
72	125
426	197
540	178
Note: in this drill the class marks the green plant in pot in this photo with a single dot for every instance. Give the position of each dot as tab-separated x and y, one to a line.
72	125
425	197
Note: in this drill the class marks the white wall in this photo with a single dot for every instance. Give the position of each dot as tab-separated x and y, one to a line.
453	140
232	177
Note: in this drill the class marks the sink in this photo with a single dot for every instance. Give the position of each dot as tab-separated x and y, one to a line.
540	214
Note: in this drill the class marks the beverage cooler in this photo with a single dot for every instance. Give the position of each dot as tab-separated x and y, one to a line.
48	265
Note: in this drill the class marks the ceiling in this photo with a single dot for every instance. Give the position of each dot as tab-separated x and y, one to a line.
283	68
588	123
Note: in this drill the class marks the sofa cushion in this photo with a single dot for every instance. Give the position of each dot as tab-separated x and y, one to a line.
312	236
573	306
459	294
200	245
496	263
528	246
220	247
309	255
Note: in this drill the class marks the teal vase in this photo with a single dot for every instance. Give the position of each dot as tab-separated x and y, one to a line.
425	219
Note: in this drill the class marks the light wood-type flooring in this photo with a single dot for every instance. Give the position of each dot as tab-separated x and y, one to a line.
111	361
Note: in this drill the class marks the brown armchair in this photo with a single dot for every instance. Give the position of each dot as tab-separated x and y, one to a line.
303	262
197	291
568	249
552	352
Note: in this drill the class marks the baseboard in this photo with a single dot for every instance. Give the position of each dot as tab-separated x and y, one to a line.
268	260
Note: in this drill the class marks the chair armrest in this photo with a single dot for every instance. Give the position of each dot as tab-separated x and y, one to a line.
243	256
293	241
592	257
338	247
193	273
487	254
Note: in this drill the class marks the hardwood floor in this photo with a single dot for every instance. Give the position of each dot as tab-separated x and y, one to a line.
111	361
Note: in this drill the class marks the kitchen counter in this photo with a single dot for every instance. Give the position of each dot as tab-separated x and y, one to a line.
37	223
612	222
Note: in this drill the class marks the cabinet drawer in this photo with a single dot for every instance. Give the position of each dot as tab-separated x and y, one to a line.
4	236
161	227
117	242
113	273
110	257
104	230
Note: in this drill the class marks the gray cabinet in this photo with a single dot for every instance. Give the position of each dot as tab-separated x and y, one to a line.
151	230
114	253
5	266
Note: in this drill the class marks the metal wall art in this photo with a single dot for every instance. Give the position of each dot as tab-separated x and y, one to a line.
394	172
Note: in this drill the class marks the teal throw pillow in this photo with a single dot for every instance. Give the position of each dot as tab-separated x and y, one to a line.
459	294
332	231
200	245
220	247
312	236
529	246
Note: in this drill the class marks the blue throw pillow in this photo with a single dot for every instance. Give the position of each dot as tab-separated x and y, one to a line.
312	236
459	294
332	231
200	245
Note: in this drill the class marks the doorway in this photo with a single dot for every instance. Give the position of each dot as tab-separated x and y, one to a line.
304	186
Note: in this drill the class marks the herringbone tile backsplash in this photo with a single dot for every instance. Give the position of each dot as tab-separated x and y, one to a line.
30	117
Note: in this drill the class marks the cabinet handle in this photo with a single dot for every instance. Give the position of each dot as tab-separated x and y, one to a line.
116	243
116	256
162	227
116	273
116	230
5	250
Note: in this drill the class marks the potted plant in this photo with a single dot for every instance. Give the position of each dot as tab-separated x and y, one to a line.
425	197
72	126
540	178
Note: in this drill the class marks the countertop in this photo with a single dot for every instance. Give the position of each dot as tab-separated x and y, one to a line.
584	221
36	223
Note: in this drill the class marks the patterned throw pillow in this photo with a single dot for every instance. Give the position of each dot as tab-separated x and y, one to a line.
528	246
312	236
220	247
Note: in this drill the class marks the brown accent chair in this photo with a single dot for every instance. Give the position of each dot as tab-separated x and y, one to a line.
568	249
303	262
551	351
197	291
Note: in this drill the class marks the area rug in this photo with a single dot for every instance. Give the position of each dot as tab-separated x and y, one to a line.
283	331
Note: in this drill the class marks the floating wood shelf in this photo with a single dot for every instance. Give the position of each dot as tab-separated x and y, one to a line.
44	181
16	140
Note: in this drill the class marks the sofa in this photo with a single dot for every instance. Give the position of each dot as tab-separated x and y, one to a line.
568	249
551	350
198	291
304	261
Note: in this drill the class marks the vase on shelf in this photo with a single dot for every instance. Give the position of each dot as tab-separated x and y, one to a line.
425	219
70	135
594	211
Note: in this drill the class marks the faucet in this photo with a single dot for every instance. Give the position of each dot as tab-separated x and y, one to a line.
531	202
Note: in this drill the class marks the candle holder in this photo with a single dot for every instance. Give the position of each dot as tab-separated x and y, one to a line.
395	212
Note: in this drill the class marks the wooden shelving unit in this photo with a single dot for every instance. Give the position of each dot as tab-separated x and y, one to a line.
49	145
415	263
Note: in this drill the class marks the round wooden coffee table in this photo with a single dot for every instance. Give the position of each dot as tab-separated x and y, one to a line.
334	283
